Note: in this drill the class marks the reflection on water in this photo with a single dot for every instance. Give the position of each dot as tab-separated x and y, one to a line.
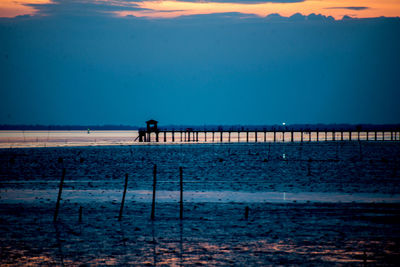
13	139
145	196
170	252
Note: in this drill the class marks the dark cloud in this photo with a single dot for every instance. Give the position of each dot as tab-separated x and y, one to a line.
299	17
87	8
349	7
82	7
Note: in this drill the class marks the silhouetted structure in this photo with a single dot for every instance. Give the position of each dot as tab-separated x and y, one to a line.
275	133
145	135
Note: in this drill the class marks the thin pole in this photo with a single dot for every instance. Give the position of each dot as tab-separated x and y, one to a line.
80	214
181	196
153	204
59	195
246	212
123	198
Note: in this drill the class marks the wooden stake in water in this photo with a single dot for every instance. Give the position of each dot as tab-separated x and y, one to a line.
59	196
123	198
153	204
181	195
80	214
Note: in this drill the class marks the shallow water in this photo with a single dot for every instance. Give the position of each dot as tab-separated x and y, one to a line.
14	139
311	204
82	196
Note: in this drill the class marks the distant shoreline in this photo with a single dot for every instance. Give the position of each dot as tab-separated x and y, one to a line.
312	127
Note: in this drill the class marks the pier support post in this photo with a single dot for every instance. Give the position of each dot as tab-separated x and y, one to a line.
165	136
265	136
283	136
238	136
247	136
213	136
318	136
255	136
221	136
291	136
309	136
229	136
349	135
326	136
333	136
274	136
301	136
341	135
367	135
205	136
358	135
157	136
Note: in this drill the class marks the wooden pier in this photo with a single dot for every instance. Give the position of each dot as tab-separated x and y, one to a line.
280	134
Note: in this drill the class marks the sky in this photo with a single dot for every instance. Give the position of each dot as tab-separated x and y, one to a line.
220	62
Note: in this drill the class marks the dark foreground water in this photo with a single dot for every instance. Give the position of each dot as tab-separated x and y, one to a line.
310	203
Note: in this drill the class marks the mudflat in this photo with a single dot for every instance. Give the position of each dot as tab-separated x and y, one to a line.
358	224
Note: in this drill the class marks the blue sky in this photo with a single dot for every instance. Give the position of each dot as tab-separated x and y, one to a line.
60	66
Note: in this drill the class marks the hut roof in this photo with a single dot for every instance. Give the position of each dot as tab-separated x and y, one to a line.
151	121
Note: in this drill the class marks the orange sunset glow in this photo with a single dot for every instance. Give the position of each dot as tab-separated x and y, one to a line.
171	9
334	8
13	8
